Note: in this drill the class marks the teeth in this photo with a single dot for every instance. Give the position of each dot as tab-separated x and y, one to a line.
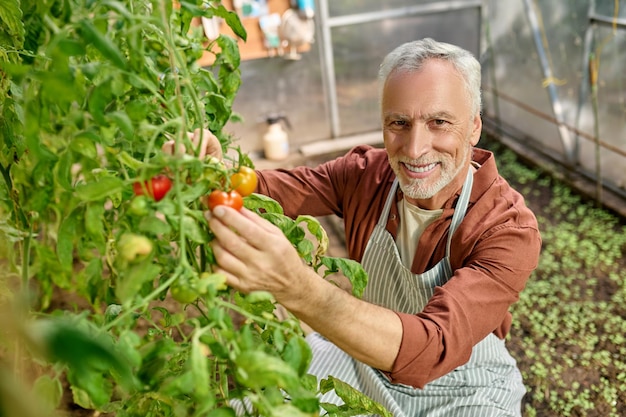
420	169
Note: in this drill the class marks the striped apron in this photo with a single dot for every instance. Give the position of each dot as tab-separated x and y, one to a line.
489	384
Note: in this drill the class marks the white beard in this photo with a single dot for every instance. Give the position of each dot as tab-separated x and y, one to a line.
420	189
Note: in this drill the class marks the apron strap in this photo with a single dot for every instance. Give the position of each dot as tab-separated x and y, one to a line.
382	220
461	207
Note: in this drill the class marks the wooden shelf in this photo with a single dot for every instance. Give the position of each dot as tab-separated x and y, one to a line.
254	46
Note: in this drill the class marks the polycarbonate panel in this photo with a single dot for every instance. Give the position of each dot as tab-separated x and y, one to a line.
517	71
610	118
277	85
607	8
512	68
359	49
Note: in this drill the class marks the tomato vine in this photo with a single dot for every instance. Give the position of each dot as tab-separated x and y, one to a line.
90	92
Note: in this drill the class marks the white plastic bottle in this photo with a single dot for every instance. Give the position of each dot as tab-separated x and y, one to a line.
275	139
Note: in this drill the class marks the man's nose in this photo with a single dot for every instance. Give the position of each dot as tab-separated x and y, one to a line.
419	141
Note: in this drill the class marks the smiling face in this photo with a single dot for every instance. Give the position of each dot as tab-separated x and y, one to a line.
429	131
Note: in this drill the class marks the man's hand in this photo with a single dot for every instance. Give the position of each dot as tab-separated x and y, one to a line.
255	255
202	140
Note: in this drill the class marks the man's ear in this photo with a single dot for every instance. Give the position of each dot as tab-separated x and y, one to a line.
477	127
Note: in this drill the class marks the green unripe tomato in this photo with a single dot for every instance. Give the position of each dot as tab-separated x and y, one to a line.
184	291
133	247
139	206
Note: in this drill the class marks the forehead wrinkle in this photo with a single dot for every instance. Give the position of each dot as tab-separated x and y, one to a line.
441	114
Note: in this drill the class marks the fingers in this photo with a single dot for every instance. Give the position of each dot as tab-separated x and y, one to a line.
233	226
202	140
208	143
259	221
253	253
233	251
169	147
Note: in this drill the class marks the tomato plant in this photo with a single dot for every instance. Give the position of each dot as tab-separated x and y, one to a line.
230	199
157	187
244	181
89	93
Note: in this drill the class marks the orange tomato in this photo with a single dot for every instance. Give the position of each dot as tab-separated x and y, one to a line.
244	181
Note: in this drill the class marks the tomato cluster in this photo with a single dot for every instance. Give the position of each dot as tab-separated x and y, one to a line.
242	183
230	192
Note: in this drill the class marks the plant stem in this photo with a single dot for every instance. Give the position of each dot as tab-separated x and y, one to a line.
144	301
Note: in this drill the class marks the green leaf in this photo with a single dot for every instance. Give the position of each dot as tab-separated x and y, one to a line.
137	110
98	100
356	403
88	353
64	170
229	57
103	188
198	364
71	47
91	279
66	235
257	369
167	316
122	120
193	231
257	302
84	143
298	354
230	81
262	203
128	344
289	410
222	412
232	20
129	285
153	226
48	390
351	269
316	229
94	222
12	21
90	390
102	43
49	271
111	312
129	161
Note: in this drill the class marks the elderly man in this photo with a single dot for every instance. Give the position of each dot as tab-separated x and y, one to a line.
448	245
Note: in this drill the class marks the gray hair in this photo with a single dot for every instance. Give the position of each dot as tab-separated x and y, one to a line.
411	56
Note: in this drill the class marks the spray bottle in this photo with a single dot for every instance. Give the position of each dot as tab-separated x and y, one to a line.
275	139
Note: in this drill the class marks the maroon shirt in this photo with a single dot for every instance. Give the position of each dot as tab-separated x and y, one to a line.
493	252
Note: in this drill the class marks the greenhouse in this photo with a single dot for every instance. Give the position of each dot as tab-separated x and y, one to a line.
278	208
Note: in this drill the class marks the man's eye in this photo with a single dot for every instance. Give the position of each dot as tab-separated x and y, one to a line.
440	122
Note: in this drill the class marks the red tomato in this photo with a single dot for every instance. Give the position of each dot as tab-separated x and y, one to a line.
244	181
157	187
222	198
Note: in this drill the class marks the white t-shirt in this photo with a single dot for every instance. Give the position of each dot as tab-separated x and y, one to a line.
413	221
